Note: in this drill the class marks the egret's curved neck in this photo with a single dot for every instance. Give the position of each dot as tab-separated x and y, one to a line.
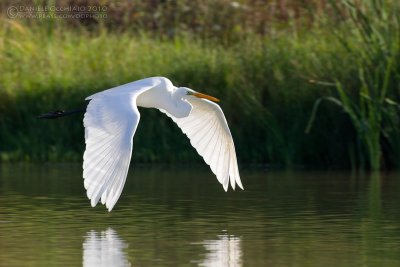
167	98
177	106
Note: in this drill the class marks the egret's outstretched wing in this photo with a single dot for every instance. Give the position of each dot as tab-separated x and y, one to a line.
209	134
110	122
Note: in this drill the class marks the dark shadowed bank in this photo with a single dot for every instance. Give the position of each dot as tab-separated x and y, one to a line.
313	85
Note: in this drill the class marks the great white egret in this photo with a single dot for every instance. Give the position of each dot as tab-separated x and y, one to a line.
111	120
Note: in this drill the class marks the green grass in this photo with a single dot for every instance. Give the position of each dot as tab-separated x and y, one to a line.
267	84
374	107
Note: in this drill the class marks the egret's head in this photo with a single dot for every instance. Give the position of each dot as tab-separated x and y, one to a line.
200	95
182	106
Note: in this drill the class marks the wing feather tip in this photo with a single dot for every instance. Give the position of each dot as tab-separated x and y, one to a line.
93	204
226	187
109	206
239	183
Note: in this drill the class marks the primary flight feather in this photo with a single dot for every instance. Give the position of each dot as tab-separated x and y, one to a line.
111	120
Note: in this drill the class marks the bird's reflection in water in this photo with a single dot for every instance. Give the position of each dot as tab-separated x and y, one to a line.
104	249
224	251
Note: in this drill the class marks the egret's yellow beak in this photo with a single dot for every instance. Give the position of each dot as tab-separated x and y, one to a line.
208	97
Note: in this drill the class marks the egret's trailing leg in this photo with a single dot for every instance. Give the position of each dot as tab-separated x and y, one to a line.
60	113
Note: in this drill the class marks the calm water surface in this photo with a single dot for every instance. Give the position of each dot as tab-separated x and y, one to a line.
173	217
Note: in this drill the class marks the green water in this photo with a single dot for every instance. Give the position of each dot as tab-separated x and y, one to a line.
172	217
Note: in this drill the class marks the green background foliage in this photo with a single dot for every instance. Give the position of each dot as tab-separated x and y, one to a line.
268	68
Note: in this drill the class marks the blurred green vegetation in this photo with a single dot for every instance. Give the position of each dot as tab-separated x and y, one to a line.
268	62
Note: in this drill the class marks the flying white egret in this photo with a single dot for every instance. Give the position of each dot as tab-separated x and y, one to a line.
111	120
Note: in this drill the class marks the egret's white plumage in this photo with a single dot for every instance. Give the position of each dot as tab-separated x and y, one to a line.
111	120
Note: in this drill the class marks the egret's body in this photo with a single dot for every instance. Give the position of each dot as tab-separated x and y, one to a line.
111	120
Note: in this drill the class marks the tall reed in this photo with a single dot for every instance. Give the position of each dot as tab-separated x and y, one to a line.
372	107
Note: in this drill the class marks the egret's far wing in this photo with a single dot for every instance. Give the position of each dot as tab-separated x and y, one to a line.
209	134
110	123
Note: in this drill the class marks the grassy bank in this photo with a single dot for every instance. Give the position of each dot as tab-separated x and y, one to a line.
268	86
